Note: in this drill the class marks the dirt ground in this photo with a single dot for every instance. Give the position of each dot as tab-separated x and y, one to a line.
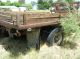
17	49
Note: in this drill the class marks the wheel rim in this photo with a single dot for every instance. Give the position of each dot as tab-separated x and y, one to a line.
58	38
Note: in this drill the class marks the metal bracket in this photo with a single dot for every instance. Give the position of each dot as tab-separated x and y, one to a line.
29	29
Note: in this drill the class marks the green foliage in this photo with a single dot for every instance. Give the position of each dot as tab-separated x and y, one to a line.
17	4
2	3
8	3
28	6
44	4
69	1
70	24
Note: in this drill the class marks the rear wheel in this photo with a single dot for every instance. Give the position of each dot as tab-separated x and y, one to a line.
55	37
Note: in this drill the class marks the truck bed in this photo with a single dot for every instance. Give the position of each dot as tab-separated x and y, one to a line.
24	20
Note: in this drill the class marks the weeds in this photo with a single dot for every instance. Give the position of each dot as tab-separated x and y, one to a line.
71	27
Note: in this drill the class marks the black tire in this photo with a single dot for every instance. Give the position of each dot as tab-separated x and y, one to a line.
3	33
55	37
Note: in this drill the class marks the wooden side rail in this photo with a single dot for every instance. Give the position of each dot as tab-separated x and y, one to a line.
15	17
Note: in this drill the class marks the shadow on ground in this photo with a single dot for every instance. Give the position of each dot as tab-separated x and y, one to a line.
19	46
14	46
69	44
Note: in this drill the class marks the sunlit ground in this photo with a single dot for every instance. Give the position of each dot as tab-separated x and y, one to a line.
17	49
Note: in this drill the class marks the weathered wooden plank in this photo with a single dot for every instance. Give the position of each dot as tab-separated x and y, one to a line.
40	14
24	20
41	20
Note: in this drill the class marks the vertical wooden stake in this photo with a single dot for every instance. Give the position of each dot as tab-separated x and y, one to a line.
33	38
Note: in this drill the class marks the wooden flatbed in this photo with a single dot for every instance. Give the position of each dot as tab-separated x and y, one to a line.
24	20
32	24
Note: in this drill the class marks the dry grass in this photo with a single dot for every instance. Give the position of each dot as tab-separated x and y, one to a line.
17	49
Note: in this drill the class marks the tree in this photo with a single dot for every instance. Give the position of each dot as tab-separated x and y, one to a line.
28	6
39	4
69	1
2	3
44	4
8	3
50	2
17	4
